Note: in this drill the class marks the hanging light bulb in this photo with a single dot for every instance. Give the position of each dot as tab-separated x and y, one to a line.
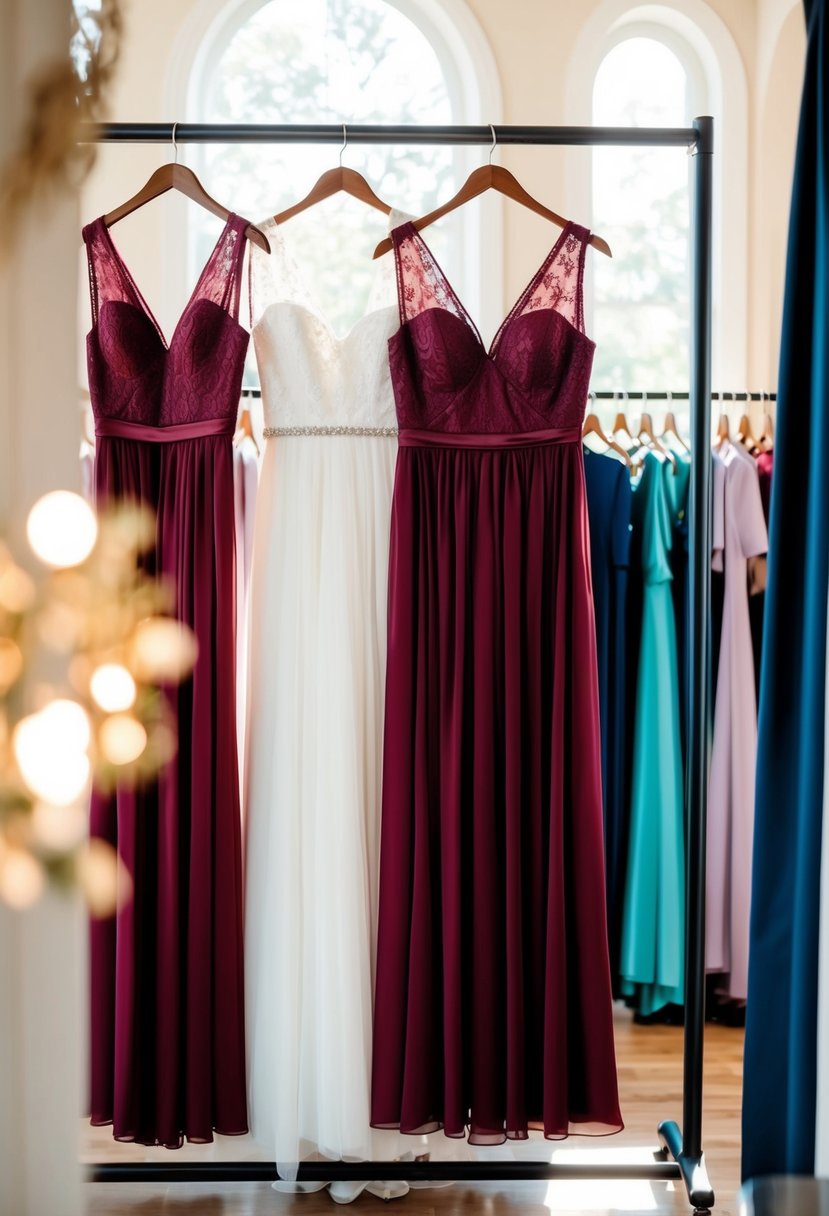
112	687
122	739
51	752
62	529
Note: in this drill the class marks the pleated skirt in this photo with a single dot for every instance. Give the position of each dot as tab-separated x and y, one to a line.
493	1013
167	1046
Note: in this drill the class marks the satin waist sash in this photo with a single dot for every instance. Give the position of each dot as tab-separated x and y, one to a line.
411	438
116	428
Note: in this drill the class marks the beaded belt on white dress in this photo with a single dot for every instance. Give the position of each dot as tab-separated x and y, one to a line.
272	432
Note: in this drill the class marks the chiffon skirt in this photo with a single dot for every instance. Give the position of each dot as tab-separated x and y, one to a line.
493	1004
167	992
313	768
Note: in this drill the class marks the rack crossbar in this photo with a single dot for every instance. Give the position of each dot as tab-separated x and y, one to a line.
369	1171
332	133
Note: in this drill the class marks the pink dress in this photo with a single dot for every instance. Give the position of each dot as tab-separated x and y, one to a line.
492	999
166	1004
739	533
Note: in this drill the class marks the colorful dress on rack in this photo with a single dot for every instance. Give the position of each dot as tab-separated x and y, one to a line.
609	501
315	721
492	1002
167	991
734	748
652	964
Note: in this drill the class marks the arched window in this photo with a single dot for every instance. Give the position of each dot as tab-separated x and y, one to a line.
661	63
334	61
641	205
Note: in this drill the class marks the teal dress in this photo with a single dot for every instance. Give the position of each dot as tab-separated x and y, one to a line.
652	964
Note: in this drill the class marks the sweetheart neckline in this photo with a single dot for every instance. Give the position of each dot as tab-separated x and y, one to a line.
140	302
465	316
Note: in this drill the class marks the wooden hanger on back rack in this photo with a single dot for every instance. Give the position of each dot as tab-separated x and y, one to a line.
335	181
723	434
493	177
670	427
592	426
622	433
646	430
744	434
174	176
766	440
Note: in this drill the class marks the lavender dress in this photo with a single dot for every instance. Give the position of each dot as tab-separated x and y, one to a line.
167	1018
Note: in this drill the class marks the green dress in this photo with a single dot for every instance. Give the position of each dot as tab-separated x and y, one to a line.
652	966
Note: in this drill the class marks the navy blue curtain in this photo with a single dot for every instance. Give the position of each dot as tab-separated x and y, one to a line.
781	1019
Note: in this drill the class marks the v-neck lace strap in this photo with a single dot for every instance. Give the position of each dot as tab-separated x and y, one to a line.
421	284
135	375
556	285
111	281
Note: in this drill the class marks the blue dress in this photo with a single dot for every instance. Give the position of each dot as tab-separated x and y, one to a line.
652	964
609	499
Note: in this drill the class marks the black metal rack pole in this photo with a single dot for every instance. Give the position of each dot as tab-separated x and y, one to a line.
686	1150
332	133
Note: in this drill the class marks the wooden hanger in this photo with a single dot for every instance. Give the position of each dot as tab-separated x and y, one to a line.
174	176
592	426
492	177
334	181
723	432
744	435
646	429
245	429
620	428
670	427
766	440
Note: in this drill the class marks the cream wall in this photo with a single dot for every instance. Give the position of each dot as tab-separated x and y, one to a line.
534	44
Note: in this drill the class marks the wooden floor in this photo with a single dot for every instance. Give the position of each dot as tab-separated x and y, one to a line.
650	1079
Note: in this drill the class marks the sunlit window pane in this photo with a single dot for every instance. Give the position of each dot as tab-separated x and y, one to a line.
327	61
641	206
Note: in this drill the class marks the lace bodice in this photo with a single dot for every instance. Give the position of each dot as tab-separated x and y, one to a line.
534	376
309	376
134	374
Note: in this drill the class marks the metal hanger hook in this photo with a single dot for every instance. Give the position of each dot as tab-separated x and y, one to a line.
494	143
345	145
175	145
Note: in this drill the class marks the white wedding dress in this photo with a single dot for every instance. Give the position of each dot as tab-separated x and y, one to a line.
315	716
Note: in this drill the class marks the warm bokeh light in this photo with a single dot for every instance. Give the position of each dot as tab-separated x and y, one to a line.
62	529
51	751
112	687
17	591
163	650
58	828
11	663
21	878
103	878
122	739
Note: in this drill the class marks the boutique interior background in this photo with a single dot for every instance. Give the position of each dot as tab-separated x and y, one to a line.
606	61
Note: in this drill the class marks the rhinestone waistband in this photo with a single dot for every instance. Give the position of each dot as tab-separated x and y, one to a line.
387	432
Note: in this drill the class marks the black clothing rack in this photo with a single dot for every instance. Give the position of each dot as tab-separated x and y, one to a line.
679	1155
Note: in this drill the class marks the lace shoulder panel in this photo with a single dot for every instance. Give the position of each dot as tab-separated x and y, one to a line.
421	284
559	283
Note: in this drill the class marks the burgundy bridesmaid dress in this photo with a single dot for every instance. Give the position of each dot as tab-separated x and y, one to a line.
492	999
167	1017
